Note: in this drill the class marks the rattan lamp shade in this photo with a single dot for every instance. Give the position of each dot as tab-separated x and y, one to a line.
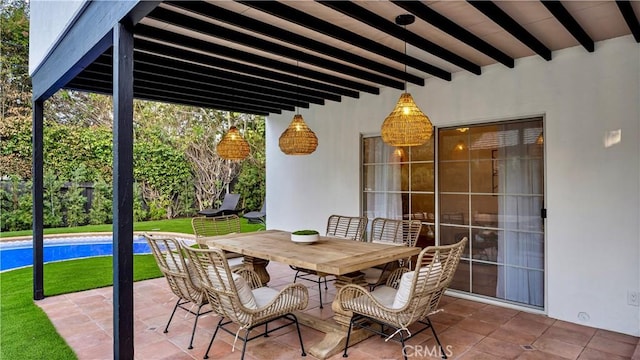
298	139
407	125
233	146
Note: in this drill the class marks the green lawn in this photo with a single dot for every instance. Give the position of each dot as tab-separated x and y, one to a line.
174	225
25	330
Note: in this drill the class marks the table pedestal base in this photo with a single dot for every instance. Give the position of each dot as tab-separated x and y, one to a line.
335	336
259	266
336	331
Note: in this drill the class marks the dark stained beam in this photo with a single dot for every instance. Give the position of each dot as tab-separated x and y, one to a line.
154	64
443	23
190	83
630	17
374	20
149	46
560	12
172	96
141	85
235	19
230	82
122	192
152	80
99	72
37	190
227	52
221	32
303	19
493	12
215	104
107	91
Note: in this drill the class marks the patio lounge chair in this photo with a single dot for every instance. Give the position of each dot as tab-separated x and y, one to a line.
257	216
181	277
408	297
228	207
241	300
348	227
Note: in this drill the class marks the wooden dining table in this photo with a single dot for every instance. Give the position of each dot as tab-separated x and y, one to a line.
341	257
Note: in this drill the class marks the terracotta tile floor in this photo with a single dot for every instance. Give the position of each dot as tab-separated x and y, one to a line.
472	330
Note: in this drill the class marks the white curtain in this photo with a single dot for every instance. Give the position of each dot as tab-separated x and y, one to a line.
386	181
521	243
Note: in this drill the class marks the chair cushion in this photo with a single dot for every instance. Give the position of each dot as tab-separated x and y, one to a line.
385	295
263	295
173	261
177	267
244	290
236	262
372	275
404	289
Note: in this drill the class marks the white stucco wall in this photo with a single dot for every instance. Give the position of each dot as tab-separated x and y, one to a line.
48	20
592	191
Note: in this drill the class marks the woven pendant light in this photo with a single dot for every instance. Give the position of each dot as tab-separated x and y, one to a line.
407	125
233	146
298	139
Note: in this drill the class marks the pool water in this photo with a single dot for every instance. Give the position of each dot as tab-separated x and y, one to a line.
20	253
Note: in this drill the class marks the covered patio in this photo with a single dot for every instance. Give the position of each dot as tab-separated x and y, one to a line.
574	65
473	330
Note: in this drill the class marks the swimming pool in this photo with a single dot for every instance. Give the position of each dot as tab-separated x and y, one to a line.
15	254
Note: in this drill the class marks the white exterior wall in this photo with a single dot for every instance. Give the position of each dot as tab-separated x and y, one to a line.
592	191
49	19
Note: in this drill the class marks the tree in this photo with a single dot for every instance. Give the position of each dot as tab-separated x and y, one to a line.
15	146
251	180
176	164
15	85
52	199
15	90
74	200
100	211
212	174
78	108
161	169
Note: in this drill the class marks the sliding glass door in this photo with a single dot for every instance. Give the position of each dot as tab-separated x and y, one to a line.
489	189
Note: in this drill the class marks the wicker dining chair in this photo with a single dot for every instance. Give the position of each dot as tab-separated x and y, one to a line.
241	300
348	227
394	232
205	226
408	297
181	277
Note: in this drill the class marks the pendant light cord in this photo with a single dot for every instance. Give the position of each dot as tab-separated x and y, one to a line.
405	60
297	85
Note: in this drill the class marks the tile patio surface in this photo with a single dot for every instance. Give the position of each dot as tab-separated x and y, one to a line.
472	330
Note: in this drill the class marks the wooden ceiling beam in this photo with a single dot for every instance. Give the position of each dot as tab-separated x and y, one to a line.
207	28
630	18
497	15
376	21
214	12
562	15
443	23
324	27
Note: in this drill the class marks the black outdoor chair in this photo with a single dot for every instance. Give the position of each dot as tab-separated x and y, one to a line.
256	217
228	207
